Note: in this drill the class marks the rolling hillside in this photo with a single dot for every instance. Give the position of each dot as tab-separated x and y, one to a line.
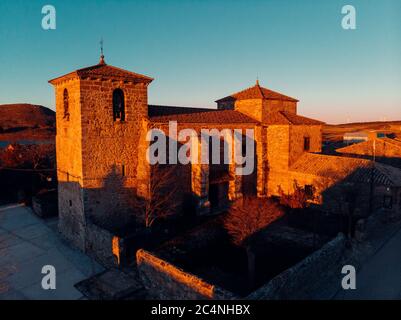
26	121
334	133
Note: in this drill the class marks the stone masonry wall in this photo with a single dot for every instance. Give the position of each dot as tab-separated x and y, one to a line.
251	107
199	180
110	147
296	140
271	106
328	191
304	279
69	163
97	157
278	147
285	145
99	244
165	281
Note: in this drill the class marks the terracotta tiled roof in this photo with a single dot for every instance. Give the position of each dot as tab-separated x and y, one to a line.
103	70
394	142
347	169
215	117
257	92
288	118
157	110
366	147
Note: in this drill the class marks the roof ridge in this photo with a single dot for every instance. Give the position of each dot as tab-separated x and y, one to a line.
261	92
105	65
103	70
95	66
131	72
225	117
183	107
283	113
243	90
384	174
333	156
278	93
216	111
281	117
369	143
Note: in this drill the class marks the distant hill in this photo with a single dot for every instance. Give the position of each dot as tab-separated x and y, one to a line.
26	115
336	132
26	121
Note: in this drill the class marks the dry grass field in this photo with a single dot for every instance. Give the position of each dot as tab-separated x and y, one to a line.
334	133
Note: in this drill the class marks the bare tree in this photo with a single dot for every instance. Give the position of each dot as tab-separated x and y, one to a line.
299	199
41	156
341	197
160	202
245	218
346	196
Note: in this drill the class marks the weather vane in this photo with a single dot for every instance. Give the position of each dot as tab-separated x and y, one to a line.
101	51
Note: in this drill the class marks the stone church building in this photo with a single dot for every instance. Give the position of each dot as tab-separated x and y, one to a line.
103	117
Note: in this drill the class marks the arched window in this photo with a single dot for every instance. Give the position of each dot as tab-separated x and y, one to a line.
118	105
66	114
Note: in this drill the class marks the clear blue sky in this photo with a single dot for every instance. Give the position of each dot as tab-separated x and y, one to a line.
199	51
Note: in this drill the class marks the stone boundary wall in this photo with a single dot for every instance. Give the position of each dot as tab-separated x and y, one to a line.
100	244
166	281
367	227
303	280
44	208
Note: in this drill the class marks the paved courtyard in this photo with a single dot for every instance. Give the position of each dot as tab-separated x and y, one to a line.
27	243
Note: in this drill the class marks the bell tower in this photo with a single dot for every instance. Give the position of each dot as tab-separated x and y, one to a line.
100	111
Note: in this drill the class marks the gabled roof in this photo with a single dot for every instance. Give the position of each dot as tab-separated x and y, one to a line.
103	70
392	141
289	118
257	92
347	169
203	117
367	147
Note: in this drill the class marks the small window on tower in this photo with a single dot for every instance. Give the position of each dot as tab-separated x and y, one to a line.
306	143
66	113
123	170
118	105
